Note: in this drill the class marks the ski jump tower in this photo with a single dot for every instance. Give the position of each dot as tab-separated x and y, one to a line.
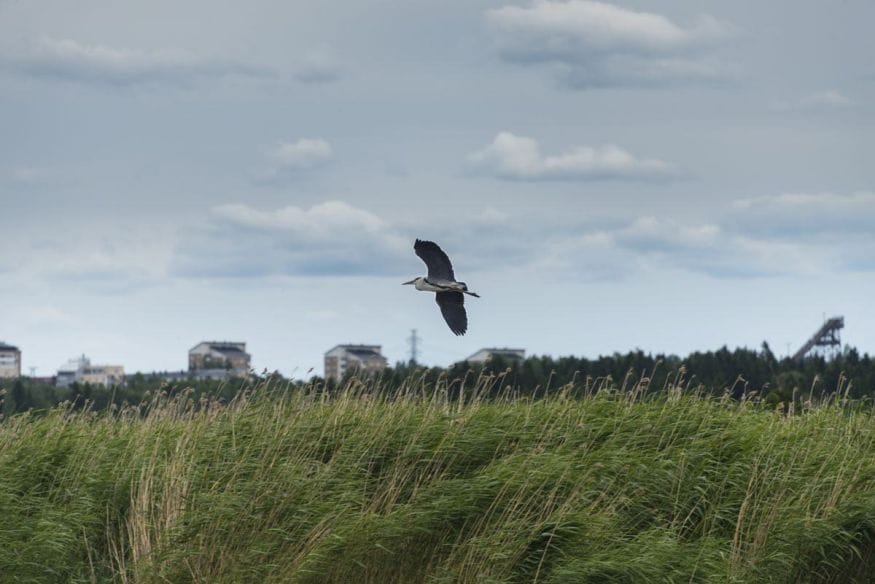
826	336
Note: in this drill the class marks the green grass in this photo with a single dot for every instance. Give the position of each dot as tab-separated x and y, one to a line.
293	486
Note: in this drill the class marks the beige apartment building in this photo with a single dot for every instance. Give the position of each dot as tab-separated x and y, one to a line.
219	360
486	354
343	358
10	361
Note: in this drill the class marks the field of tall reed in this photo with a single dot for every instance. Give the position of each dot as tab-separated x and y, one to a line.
440	484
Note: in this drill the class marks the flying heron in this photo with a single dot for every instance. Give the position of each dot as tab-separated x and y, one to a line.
449	294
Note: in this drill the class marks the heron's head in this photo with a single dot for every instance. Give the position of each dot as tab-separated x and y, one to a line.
413	281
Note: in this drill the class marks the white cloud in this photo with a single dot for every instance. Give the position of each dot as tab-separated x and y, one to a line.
320	221
518	157
655	234
289	161
114	260
567	28
304	154
797	215
790	234
335	238
761	256
663	243
590	256
328	239
72	60
646	244
593	44
824	100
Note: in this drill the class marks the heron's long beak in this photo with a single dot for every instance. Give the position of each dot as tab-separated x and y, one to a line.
410	282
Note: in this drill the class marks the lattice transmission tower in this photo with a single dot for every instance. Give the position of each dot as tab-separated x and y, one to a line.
413	342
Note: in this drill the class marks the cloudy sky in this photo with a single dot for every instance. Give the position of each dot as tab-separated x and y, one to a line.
665	175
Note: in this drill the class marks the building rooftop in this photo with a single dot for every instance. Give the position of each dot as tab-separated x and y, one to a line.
352	348
7	347
364	353
228	349
222	345
501	351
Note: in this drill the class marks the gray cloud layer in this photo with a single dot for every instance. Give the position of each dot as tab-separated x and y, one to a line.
595	44
338	239
88	63
71	60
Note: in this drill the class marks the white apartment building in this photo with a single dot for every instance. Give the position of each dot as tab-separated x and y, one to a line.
81	370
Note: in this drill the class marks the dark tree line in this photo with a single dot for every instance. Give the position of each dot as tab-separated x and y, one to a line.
736	372
24	394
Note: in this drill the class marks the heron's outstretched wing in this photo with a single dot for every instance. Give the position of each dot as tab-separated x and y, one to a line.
439	266
453	308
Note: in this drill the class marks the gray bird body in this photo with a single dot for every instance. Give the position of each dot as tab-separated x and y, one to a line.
449	294
437	285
